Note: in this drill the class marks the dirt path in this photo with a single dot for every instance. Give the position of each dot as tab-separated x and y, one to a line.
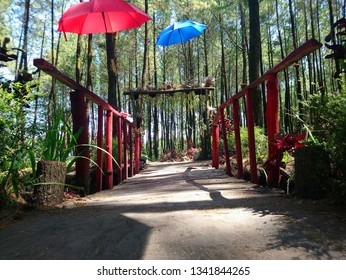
180	211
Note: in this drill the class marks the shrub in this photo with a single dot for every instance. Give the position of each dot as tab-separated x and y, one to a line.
328	125
260	143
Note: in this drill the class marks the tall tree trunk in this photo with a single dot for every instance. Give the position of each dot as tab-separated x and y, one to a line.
206	65
310	66
223	65
25	35
36	97
255	58
156	132
297	72
149	129
313	78
244	54
320	68
111	68
181	123
78	58
286	108
89	81
52	95
145	54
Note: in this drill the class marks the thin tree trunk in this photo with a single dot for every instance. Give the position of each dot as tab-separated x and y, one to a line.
149	129
255	58
78	58
145	51
206	65
297	72
156	132
245	54
285	109
223	61
52	94
111	69
36	97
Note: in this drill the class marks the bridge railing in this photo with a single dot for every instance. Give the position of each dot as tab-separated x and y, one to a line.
128	137
272	85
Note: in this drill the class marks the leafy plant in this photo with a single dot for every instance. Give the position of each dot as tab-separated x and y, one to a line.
13	127
60	141
260	143
280	146
327	125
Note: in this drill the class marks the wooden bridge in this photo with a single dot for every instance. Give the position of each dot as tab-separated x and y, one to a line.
129	138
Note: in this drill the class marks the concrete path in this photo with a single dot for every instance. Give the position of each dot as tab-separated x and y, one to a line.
180	211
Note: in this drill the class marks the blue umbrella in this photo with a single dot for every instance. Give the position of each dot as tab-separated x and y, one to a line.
180	32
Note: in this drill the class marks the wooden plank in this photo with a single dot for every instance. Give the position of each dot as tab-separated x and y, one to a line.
251	135
238	150
80	121
109	149
99	152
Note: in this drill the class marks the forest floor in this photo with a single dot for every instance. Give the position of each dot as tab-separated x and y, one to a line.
174	211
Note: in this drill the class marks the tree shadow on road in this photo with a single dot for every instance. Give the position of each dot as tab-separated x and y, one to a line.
74	234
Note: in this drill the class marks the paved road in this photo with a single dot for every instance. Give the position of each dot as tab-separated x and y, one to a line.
180	211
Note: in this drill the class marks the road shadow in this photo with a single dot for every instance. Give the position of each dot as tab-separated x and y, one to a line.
74	234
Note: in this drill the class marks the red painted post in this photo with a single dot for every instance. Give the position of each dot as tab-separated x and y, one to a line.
272	116
80	121
225	144
99	153
236	122
120	150
216	146
137	152
131	151
126	160
109	149
251	135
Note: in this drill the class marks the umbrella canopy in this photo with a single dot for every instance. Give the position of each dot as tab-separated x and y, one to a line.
101	16
180	32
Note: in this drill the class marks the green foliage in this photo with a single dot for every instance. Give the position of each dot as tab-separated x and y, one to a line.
60	140
260	143
13	123
328	126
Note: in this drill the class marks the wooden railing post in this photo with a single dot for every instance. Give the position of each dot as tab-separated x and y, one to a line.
225	144
251	135
80	121
238	150
131	152
125	140
216	146
109	149
99	152
137	152
272	125
120	150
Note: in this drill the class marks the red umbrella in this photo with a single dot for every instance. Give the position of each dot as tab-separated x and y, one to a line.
101	16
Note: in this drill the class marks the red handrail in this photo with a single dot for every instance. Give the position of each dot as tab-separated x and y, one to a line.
79	113
272	114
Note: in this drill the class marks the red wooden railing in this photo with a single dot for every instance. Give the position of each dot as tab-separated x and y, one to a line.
271	76
129	143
